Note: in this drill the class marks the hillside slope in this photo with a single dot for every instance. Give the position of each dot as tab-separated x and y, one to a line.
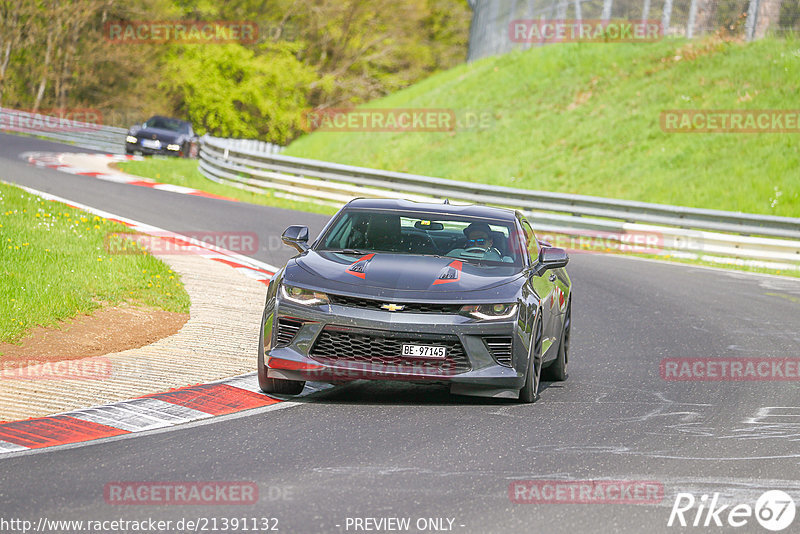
584	118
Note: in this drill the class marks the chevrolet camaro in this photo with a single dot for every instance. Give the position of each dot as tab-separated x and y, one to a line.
419	292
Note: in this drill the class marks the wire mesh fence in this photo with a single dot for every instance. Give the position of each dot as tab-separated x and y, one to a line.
493	32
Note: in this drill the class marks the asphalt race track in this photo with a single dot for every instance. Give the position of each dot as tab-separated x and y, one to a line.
390	450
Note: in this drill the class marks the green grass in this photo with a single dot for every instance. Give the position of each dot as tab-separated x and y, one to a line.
584	118
54	265
184	172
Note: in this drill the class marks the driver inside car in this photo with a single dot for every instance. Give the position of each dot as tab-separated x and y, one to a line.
479	244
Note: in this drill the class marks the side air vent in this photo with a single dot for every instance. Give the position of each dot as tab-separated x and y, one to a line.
500	347
287	329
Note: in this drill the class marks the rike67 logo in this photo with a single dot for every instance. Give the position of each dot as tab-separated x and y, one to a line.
774	511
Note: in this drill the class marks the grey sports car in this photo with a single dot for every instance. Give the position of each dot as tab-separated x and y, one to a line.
418	292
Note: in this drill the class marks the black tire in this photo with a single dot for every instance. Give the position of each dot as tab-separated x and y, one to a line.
274	385
557	371
530	391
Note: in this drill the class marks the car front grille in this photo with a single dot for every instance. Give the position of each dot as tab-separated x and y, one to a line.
408	307
287	329
500	347
382	353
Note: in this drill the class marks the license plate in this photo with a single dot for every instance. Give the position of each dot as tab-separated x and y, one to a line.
151	143
425	351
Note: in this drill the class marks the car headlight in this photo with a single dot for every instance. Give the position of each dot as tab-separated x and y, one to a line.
306	297
174	147
487	312
131	139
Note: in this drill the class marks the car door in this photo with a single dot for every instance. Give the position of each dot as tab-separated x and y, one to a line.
546	286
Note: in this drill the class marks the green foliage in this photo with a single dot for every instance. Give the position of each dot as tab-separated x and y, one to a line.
309	54
230	91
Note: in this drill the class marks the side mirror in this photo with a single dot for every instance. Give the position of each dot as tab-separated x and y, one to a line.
551	258
296	237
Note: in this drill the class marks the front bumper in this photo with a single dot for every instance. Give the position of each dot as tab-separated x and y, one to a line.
471	368
137	147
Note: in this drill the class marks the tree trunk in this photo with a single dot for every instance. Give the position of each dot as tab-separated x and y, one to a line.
3	67
769	11
666	17
45	73
704	22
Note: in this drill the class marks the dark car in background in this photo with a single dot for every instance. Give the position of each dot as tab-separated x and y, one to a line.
418	292
162	135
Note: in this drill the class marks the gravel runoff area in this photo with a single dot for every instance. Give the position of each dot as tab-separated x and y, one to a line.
219	340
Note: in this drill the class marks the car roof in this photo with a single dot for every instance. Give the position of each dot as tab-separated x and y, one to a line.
169	119
471	210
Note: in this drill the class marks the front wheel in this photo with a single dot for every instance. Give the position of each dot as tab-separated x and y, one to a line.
274	385
530	391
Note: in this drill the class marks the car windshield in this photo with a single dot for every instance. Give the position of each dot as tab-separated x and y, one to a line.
479	241
163	123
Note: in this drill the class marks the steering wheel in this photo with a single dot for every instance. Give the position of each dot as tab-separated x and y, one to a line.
421	242
483	251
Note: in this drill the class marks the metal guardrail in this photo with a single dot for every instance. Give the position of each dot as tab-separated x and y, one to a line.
703	231
251	145
87	135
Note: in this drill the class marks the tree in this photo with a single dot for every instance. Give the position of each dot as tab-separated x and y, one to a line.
228	90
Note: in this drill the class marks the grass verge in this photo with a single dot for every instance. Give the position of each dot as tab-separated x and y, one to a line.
184	172
54	265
